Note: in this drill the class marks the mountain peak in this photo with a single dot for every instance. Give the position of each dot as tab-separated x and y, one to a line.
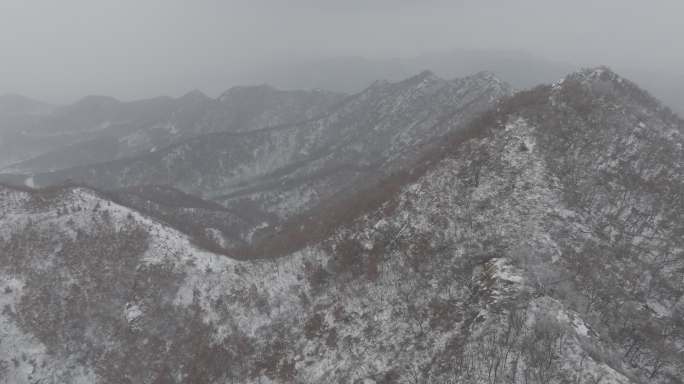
488	77
424	76
599	73
195	94
602	81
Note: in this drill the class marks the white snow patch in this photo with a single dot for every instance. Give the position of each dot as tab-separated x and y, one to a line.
505	271
133	312
574	321
29	182
518	123
253	231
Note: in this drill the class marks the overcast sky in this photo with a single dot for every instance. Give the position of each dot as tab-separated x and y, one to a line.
61	50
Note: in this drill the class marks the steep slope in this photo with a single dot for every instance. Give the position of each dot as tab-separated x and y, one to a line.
579	187
98	129
541	244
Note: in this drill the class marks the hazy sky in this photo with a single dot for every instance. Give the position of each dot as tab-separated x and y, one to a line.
61	50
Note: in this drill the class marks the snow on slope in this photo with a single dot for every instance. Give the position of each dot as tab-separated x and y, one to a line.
494	266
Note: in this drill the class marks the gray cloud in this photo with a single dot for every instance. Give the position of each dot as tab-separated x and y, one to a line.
60	50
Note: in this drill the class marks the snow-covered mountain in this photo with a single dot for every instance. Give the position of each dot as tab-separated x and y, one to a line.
539	242
288	169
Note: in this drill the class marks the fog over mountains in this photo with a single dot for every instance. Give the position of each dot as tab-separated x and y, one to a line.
136	49
419	231
347	192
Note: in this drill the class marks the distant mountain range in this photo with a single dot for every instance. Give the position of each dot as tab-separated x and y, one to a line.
278	152
99	129
351	74
520	69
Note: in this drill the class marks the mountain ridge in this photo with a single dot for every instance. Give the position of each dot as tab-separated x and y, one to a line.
357	133
542	243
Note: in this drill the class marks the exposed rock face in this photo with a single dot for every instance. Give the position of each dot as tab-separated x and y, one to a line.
539	243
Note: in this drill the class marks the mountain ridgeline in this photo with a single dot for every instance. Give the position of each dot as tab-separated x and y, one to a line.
272	173
424	231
